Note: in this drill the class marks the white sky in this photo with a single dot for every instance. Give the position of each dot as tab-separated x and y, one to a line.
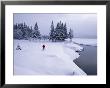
83	25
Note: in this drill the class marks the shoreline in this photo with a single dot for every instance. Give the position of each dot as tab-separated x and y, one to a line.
84	66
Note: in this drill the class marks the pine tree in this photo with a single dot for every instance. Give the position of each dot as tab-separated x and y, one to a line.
36	26
57	32
15	26
65	31
27	32
17	31
24	31
52	32
70	35
18	47
30	34
36	32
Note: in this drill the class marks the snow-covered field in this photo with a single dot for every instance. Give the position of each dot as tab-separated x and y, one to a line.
56	59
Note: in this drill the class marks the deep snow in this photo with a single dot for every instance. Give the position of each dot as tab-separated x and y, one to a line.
56	59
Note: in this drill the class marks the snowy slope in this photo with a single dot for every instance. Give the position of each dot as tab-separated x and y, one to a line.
56	59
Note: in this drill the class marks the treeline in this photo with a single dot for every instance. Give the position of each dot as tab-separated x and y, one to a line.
58	33
22	31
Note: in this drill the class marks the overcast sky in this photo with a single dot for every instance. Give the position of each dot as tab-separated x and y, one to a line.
83	25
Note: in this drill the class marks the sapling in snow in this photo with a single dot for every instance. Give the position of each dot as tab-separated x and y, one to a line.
18	47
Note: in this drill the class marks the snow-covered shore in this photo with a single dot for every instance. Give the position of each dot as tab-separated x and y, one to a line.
84	41
56	59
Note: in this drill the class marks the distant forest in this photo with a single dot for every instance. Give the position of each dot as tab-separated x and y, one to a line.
58	33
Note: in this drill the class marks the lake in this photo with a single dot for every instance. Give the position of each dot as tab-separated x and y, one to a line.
88	60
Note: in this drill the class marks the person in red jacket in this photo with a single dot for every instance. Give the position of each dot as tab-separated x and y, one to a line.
43	47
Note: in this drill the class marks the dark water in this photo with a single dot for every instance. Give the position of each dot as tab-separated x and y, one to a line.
88	60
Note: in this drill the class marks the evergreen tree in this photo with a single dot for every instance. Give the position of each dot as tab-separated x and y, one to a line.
70	35
24	29
36	26
36	32
17	31
65	31
52	32
15	26
27	32
30	34
58	31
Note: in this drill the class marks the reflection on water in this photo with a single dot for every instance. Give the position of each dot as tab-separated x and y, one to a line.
88	60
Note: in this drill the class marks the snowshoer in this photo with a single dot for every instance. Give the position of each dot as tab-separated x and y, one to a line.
43	47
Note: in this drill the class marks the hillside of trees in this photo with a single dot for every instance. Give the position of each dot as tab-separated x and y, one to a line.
58	33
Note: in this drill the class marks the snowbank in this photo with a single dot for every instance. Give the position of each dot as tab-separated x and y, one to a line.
74	46
56	59
84	41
